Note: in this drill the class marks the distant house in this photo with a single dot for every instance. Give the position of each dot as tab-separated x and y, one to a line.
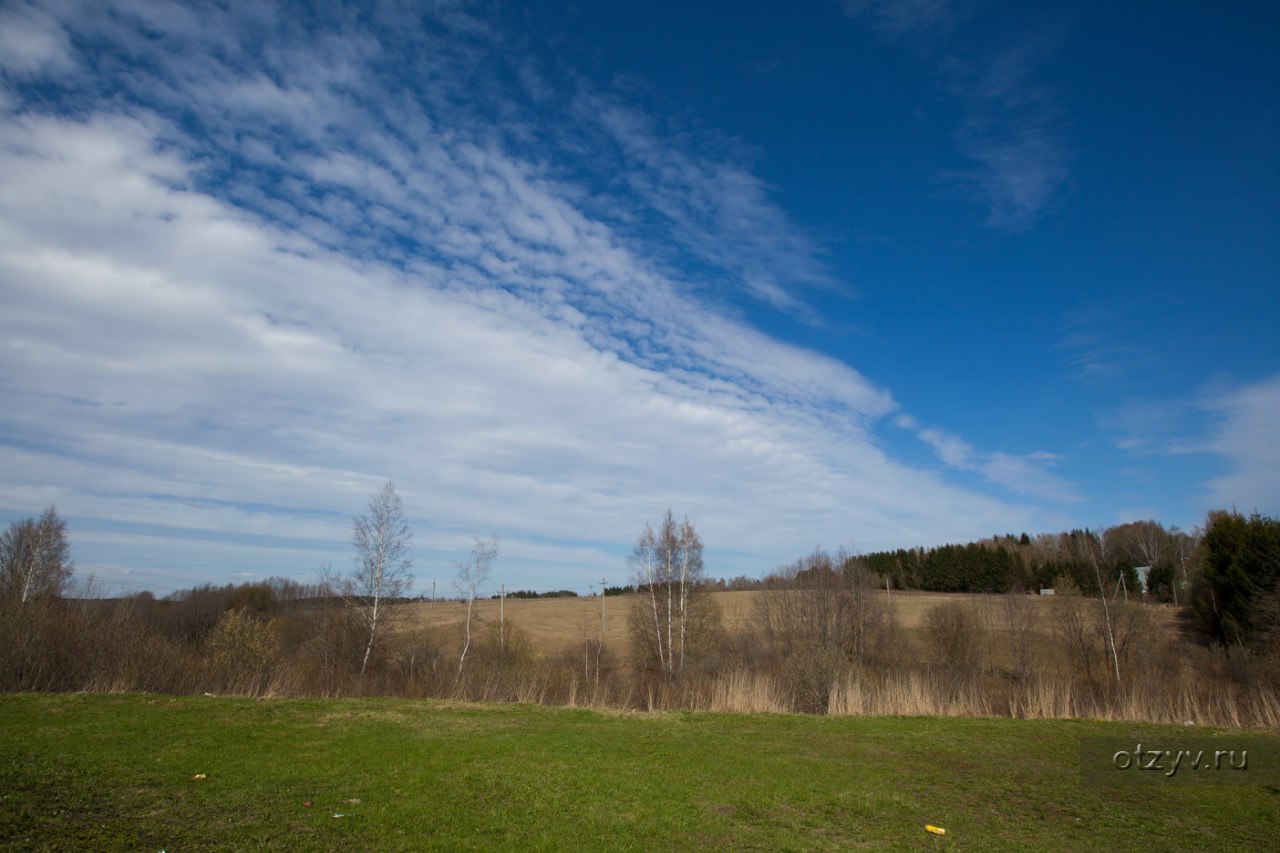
1142	577
1047	591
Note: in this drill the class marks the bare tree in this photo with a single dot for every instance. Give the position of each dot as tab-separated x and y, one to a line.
955	631
35	558
668	568
473	574
1147	542
1143	543
818	620
382	561
1096	549
1184	546
1021	622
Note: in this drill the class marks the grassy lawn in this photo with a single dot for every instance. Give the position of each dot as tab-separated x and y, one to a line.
117	772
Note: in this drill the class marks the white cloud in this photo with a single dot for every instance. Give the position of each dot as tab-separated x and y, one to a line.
718	211
241	330
952	450
1011	132
1247	436
33	42
1023	474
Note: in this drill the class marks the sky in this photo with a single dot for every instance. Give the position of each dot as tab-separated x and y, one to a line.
866	274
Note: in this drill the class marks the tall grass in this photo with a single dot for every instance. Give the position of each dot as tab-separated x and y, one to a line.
117	648
908	694
743	692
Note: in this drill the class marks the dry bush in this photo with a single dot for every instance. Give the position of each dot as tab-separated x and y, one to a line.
1022	628
814	643
59	645
240	655
329	661
1077	634
29	642
812	625
501	667
129	655
190	615
955	633
415	664
592	668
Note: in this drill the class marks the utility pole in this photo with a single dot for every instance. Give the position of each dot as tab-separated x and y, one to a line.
600	645
602	586
502	616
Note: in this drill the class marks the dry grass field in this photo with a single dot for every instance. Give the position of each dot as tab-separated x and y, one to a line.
553	624
1022	656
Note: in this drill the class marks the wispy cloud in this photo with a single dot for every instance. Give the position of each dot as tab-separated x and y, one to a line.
1155	427
1026	474
32	42
1246	435
1236	425
1098	349
1012	127
931	19
262	267
716	209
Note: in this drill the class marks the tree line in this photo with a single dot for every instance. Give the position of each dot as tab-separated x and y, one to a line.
1025	563
822	633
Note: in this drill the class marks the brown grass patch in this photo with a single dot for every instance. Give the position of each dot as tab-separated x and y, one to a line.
555	623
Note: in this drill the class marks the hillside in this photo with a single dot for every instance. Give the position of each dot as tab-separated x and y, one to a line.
142	773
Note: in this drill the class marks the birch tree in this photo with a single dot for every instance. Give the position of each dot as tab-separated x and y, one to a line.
1096	550
674	614
381	538
473	574
35	559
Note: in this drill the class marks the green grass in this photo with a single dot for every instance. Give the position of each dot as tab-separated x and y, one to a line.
116	772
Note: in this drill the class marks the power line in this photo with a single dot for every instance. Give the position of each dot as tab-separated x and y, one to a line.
129	571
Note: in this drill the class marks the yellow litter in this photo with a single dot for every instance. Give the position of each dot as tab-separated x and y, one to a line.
936	830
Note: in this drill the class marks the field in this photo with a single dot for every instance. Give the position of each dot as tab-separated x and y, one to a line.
554	624
135	772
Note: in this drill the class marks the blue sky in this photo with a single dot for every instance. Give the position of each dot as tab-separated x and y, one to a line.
868	274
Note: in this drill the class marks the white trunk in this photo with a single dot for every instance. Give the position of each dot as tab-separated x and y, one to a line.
653	599
377	603
373	630
670	618
1106	615
462	658
684	599
33	560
